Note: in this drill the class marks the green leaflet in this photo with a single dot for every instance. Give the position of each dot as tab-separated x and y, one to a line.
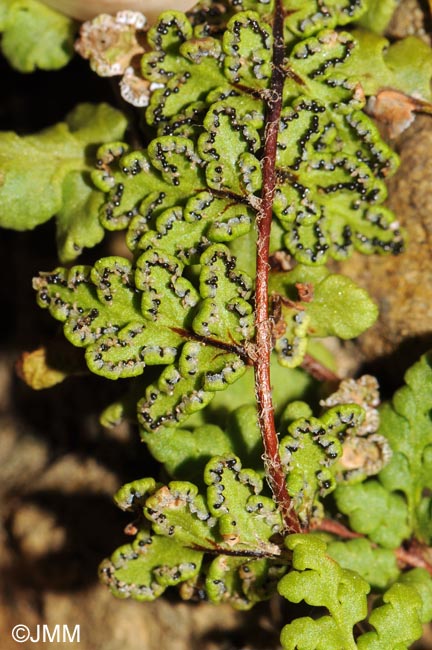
183	390
372	510
334	306
129	317
378	15
172	61
162	195
199	181
48	174
242	582
374	564
233	520
406	424
309	454
234	516
144	569
35	36
397	622
405	65
321	582
184	451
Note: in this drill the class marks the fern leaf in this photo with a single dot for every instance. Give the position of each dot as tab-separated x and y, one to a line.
309	453
204	169
35	36
397	622
406	425
48	174
375	512
374	564
321	582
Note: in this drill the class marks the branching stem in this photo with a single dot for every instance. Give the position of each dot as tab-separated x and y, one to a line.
263	390
416	555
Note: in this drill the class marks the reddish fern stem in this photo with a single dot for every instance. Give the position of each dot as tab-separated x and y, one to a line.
413	556
336	528
416	554
263	339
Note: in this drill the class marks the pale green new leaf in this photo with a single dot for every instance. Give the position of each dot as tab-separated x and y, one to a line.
35	36
421	581
341	308
397	622
321	582
376	565
406	424
47	174
405	65
335	306
372	510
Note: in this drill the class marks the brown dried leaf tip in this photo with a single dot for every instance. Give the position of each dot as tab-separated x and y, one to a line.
113	44
365	452
395	110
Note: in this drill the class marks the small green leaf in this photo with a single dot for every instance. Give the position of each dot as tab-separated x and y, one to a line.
248	44
378	15
188	68
233	517
35	36
185	452
144	569
341	308
242	582
247	520
381	515
406	424
397	622
308	455
321	582
376	565
336	306
292	344
405	65
47	174
421	581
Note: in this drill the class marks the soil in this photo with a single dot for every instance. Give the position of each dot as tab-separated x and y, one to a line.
59	468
